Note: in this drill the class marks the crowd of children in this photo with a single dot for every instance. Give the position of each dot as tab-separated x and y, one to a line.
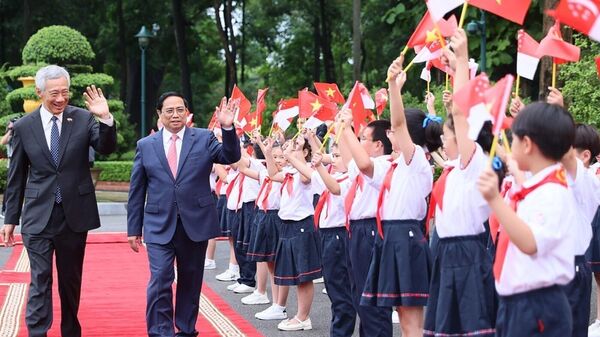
486	250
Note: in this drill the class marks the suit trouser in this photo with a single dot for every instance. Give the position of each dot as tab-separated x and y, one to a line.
190	271
69	247
335	267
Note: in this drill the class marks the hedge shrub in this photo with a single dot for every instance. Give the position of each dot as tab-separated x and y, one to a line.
3	173
114	170
80	81
24	70
58	45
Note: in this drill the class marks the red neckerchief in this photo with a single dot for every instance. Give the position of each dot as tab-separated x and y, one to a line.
240	189
557	176
325	198
288	183
349	200
266	187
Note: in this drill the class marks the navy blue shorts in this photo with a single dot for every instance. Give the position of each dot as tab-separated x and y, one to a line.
246	226
462	298
400	268
264	239
538	313
298	256
578	292
594	249
232	222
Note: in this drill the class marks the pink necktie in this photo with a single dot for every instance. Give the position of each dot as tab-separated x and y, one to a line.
172	156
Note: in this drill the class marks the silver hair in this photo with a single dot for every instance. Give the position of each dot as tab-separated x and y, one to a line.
50	72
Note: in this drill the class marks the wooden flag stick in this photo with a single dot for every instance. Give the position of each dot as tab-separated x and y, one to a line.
553	74
447	81
401	54
337	138
493	149
428	87
327	136
270	131
505	142
516	89
463	14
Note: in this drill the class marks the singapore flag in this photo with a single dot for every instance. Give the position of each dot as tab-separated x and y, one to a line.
582	15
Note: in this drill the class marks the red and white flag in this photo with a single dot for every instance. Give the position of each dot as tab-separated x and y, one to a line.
426	30
244	107
367	100
286	111
473	67
430	51
513	10
527	55
330	91
439	8
553	45
582	15
426	72
470	99
497	99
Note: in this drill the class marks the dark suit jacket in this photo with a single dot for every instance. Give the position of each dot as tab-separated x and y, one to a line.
189	195
33	176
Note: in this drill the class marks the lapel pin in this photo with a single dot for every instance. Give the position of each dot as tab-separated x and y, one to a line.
69	119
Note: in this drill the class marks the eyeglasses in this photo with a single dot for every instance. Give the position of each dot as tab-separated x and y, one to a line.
170	111
446	138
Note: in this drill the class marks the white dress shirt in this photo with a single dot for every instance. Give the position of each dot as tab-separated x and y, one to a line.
299	205
167	142
333	214
586	191
364	205
46	117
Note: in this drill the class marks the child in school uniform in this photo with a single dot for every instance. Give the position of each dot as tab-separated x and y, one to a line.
360	207
331	218
585	187
399	270
298	255
535	246
227	180
462	295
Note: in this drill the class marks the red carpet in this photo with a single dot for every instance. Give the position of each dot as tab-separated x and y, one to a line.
113	296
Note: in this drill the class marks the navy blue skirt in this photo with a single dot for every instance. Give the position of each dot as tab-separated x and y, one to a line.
298	255
221	212
594	249
247	225
578	292
400	267
232	222
537	313
462	298
264	239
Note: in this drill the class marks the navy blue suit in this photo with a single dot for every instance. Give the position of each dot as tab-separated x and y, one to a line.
176	217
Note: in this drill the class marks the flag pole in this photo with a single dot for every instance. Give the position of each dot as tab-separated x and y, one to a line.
505	142
401	54
327	136
447	81
337	137
270	131
463	14
516	89
428	87
553	74
493	149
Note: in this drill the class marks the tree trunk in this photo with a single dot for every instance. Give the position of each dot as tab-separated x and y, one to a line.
184	76
328	61
122	56
26	21
546	64
356	41
243	46
316	50
225	30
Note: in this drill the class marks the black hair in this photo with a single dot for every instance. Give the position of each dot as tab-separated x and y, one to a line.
587	138
307	147
428	136
379	128
485	138
549	126
163	97
258	152
321	131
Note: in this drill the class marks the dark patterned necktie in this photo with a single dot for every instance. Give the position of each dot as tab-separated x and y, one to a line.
54	145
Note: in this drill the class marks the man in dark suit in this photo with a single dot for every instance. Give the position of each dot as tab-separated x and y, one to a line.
49	169
171	205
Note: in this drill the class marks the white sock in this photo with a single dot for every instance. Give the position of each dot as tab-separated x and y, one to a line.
278	307
210	261
234	268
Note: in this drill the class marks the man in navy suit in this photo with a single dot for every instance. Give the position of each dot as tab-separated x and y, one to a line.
171	206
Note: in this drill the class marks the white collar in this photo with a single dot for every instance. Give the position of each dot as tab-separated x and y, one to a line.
536	178
167	134
46	115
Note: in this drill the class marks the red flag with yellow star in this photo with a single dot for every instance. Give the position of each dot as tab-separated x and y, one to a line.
245	105
310	104
330	91
426	31
381	99
513	10
355	103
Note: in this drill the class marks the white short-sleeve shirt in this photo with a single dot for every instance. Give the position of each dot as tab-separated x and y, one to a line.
299	205
332	214
273	196
586	191
364	205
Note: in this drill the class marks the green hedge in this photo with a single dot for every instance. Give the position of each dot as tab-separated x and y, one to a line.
80	81
24	70
3	173
114	170
58	45
18	95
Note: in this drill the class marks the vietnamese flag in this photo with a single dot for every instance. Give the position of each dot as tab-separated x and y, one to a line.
311	104
285	113
470	100
553	45
355	104
426	31
245	105
497	99
381	99
330	91
260	104
513	10
582	15
527	55
598	65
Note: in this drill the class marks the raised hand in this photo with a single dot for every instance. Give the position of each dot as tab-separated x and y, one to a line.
317	159
448	58
395	69
459	44
226	114
555	97
488	185
447	99
96	102
430	101
344	118
516	105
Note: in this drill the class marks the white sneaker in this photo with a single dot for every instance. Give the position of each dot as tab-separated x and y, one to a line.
228	275
243	289
232	287
271	313
594	329
256	298
395	317
318	280
324	291
294	324
209	264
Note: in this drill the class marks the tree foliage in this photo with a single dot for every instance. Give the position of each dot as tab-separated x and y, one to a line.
58	45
